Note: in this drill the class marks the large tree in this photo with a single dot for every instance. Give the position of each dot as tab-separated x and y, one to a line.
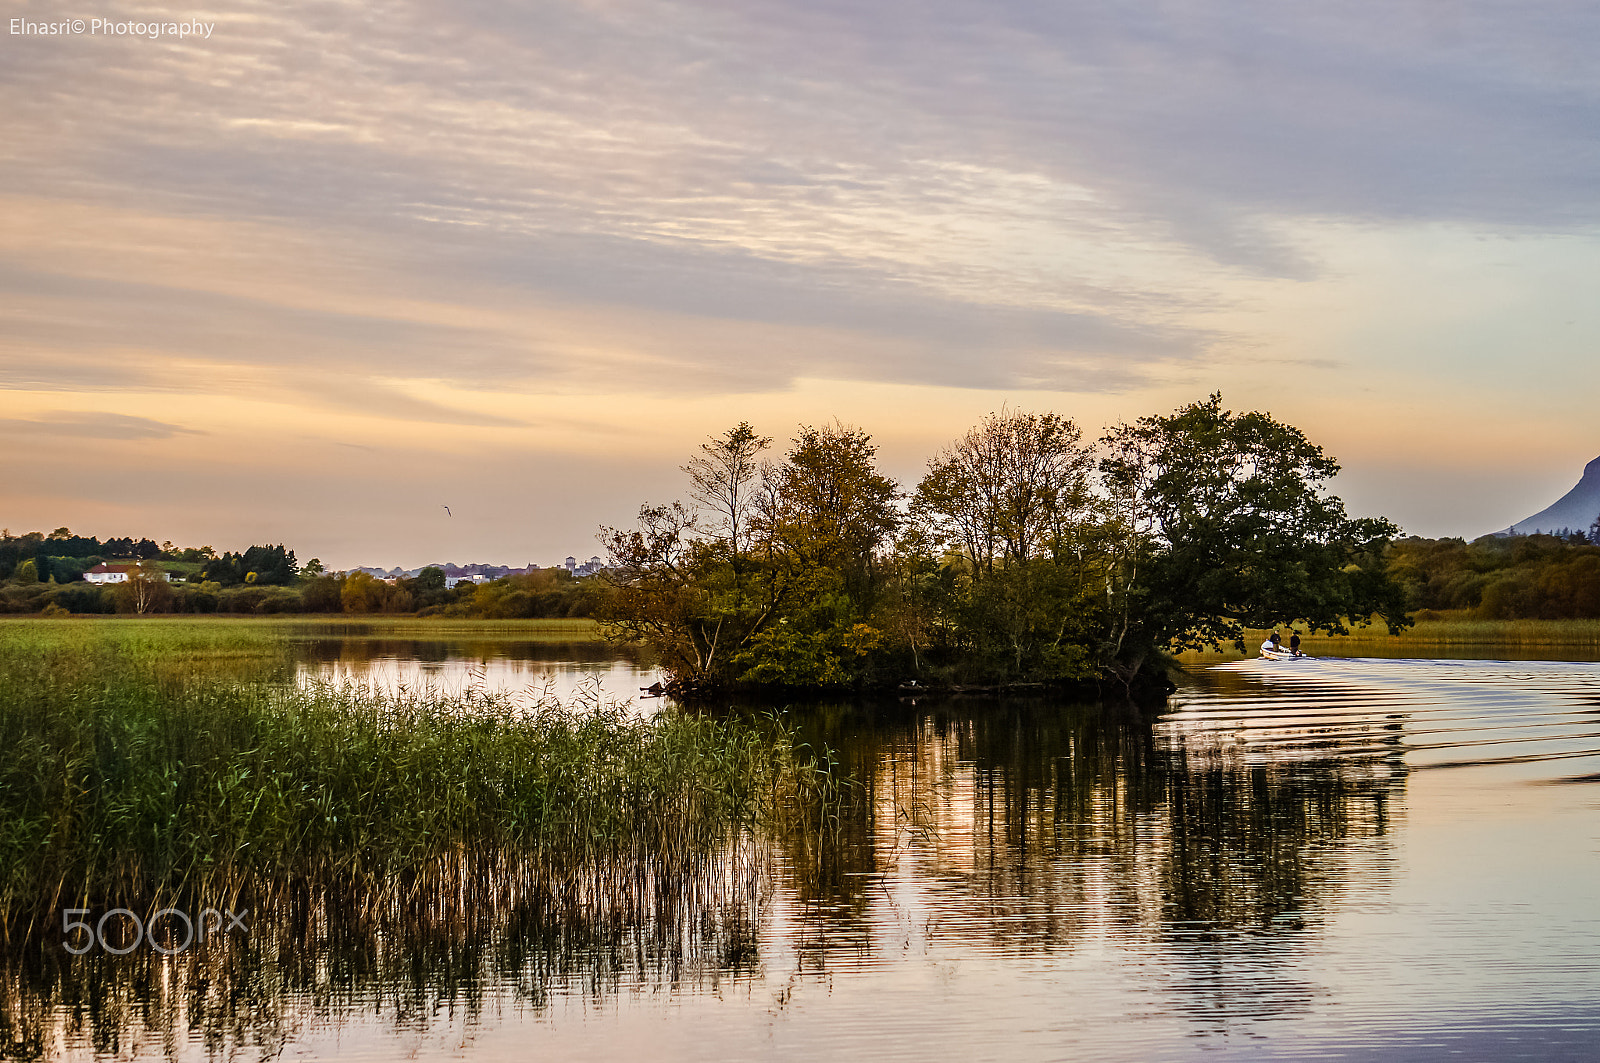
722	479
1224	523
671	591
828	507
1011	499
773	578
1004	491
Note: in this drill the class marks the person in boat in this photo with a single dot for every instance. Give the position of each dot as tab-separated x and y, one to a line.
1274	644
1294	643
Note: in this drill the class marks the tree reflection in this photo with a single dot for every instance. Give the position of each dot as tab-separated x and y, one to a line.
1027	825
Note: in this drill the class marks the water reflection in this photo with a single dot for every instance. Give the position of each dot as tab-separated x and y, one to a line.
1275	856
304	967
1030	828
564	670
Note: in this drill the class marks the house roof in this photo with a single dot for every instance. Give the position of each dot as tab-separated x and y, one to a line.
103	567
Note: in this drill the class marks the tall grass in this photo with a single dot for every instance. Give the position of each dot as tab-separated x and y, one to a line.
1444	629
136	777
1436	633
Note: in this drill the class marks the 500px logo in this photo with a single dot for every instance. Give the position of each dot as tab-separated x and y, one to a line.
128	930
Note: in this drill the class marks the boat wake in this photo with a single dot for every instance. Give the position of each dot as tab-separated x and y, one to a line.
1415	714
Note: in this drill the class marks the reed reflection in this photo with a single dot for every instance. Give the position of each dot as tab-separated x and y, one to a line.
310	964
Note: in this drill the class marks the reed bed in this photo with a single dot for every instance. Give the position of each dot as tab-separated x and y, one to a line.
137	777
1447	631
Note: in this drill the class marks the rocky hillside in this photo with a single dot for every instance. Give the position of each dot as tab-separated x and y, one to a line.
1577	510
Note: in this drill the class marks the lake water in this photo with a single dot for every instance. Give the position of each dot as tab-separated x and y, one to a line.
524	670
1331	859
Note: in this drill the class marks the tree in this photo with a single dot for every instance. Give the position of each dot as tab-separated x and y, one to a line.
272	565
660	594
145	591
1011	499
1005	490
773	585
1225	525
828	507
364	593
722	479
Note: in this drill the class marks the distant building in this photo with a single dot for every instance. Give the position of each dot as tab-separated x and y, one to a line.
585	568
451	582
103	573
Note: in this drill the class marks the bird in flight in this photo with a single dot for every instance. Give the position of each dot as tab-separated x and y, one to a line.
447	510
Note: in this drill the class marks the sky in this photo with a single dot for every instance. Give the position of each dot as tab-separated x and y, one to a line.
316	276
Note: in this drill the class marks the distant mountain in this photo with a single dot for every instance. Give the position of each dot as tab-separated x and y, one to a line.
1576	510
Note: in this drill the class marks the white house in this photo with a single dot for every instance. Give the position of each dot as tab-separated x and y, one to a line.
103	573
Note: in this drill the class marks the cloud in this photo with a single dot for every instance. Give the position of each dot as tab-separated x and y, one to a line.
452	215
93	425
1002	186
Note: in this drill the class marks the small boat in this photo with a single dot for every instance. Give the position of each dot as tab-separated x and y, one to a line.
1285	655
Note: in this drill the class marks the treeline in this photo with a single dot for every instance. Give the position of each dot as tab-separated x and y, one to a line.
66	556
44	574
1024	554
1514	577
546	593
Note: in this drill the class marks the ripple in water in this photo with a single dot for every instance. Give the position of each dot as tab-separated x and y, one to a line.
1417	714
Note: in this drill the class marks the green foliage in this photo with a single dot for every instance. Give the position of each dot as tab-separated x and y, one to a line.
321	594
267	565
365	593
543	594
793	603
61	545
828	508
1514	577
1026	556
1232	530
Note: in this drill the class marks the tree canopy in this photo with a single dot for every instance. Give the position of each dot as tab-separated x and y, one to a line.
1024	553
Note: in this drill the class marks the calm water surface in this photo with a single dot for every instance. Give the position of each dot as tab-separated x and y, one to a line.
521	669
1333	859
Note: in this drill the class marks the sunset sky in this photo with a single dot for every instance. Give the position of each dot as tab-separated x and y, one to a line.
341	264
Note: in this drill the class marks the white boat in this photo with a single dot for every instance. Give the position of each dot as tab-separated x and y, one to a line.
1285	655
